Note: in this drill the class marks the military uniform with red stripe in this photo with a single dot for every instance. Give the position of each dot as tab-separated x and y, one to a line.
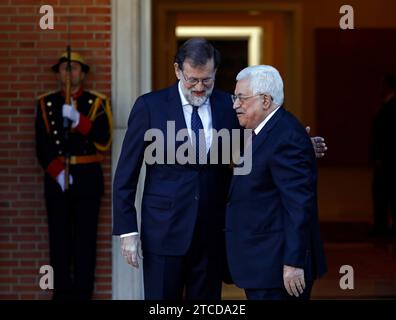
87	140
73	215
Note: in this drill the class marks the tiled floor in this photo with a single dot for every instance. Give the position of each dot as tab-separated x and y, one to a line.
373	261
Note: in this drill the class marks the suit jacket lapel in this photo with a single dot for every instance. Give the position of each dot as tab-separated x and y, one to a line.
175	111
260	139
215	111
263	134
218	122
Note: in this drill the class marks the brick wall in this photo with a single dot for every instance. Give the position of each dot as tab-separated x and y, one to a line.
26	54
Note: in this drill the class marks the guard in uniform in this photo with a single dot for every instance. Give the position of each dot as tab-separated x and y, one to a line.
73	214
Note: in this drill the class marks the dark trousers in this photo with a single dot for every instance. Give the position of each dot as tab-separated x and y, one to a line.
197	274
278	293
72	227
384	198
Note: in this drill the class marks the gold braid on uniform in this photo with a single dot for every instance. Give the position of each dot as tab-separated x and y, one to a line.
96	110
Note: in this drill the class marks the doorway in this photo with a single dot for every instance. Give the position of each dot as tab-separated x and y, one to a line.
279	45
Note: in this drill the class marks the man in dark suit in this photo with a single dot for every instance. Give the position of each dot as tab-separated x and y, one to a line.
183	206
383	155
274	248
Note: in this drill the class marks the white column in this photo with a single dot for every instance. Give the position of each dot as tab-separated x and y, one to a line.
131	76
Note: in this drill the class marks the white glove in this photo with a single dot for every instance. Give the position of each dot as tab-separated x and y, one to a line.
293	279
130	247
60	178
69	112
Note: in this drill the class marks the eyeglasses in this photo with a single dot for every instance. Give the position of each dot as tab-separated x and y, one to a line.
242	99
194	81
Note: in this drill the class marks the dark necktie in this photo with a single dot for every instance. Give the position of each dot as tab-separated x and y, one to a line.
196	125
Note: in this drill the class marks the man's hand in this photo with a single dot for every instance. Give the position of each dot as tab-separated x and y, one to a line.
293	279
60	178
318	144
69	112
130	249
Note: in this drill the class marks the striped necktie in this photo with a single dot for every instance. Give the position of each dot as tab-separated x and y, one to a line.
196	125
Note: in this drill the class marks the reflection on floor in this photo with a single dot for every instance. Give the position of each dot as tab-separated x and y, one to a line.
373	260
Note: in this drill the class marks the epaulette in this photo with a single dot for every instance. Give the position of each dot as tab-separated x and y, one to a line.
98	94
45	94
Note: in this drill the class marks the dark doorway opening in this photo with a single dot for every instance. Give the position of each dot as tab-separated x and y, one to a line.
234	57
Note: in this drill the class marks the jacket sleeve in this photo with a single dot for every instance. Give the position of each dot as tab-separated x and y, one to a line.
293	168
45	152
128	170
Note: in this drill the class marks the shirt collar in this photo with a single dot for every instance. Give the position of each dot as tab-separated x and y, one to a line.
262	124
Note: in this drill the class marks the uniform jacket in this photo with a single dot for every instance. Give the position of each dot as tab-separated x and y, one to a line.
91	137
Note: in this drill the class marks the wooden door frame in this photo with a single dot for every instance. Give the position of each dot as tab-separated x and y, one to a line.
164	23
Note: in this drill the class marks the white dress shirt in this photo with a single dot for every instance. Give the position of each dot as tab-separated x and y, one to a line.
263	123
205	113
